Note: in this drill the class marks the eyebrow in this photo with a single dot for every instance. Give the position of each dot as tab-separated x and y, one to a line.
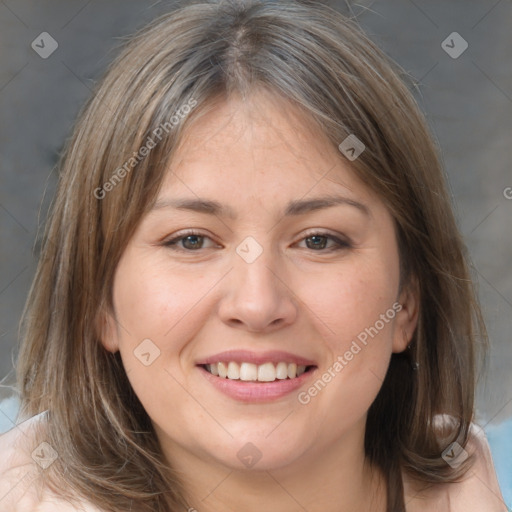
296	207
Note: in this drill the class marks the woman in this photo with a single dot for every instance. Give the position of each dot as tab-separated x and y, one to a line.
252	293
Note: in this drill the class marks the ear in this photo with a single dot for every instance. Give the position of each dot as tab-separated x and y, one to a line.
106	327
407	318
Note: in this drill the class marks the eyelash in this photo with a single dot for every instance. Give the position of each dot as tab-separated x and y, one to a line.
340	244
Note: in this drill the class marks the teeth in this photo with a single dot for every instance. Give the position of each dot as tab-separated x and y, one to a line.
282	370
292	370
233	371
248	371
267	372
223	370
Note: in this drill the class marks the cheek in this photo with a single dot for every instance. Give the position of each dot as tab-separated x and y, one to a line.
358	324
354	299
159	312
153	301
168	306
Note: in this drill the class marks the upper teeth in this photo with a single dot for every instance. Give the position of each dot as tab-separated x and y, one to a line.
267	372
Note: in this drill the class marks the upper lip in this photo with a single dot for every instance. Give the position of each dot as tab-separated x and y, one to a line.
247	356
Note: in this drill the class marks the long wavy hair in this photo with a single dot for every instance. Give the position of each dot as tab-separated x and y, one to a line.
202	52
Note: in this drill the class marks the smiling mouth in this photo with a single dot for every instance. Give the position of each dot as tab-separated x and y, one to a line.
250	372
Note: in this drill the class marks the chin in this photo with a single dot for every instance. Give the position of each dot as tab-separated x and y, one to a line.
262	452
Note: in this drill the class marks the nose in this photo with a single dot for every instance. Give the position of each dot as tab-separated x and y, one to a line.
257	297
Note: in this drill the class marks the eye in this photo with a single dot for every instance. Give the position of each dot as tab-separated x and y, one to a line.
192	241
319	241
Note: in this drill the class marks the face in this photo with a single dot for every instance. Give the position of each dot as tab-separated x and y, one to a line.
297	297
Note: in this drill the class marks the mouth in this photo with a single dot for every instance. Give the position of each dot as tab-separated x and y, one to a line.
249	377
250	372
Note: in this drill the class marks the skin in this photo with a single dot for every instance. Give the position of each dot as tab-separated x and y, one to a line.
255	157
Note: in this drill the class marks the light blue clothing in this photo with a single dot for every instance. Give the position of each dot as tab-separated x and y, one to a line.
500	441
8	413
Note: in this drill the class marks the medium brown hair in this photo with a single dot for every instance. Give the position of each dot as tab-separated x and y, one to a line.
321	62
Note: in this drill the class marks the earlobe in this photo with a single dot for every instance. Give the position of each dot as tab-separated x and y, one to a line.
407	317
106	332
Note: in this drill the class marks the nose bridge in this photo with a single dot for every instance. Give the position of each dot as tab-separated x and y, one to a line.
254	268
257	296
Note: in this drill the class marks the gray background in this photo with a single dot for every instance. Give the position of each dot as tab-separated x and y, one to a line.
467	100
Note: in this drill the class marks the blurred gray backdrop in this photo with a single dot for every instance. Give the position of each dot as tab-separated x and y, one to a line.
466	94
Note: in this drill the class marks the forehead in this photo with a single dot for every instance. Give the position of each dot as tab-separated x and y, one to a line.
263	147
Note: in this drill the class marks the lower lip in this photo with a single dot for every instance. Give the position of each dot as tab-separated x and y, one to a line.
247	391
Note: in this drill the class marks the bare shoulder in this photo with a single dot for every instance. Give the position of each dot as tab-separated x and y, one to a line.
478	490
23	461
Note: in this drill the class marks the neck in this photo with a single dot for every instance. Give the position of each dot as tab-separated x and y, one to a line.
332	479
